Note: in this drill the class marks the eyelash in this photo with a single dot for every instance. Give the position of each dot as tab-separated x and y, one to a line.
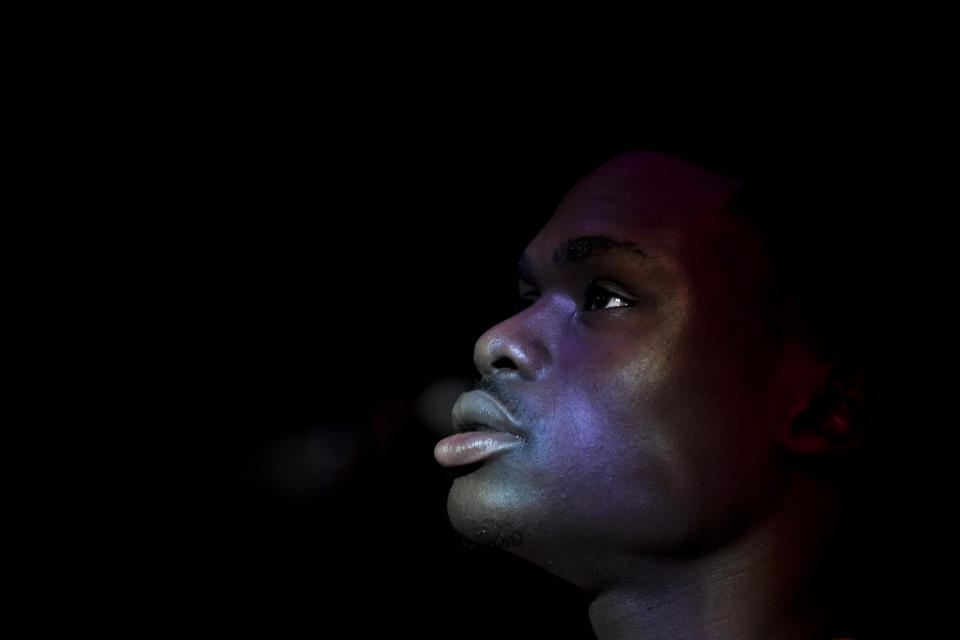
596	291
592	293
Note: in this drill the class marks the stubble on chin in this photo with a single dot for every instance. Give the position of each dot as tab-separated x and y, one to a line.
490	538
478	528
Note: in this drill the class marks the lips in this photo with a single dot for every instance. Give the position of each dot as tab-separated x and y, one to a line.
484	429
478	409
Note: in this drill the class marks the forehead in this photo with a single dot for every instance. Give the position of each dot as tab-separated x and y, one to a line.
659	202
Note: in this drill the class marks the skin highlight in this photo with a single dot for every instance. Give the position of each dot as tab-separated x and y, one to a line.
657	409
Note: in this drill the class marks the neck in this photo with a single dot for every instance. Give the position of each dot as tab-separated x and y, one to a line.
764	584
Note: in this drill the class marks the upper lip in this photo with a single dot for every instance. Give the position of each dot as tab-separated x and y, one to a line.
479	409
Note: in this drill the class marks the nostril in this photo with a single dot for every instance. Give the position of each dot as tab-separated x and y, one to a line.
504	363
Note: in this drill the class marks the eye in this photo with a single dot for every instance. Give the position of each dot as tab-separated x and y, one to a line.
598	298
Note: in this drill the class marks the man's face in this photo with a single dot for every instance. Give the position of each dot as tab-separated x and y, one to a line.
641	374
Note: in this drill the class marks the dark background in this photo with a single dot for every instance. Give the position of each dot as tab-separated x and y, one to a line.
302	281
251	254
330	303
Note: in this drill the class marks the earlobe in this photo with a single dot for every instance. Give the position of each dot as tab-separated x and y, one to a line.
833	422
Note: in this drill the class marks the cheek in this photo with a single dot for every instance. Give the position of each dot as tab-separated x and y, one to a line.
657	429
617	458
713	432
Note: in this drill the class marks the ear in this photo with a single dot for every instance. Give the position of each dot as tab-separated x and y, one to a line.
834	420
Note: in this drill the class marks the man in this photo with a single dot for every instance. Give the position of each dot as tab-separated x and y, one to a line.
669	422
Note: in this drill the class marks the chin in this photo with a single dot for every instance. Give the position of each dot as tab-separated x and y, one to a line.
483	514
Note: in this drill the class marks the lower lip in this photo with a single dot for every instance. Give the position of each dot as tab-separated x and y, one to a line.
473	446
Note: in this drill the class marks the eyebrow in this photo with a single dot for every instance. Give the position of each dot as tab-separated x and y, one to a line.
579	250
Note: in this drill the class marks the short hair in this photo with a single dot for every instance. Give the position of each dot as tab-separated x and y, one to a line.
820	216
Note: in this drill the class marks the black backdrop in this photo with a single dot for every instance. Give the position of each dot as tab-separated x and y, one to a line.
327	287
258	249
311	277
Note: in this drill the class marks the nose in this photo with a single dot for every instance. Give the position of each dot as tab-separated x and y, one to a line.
512	348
